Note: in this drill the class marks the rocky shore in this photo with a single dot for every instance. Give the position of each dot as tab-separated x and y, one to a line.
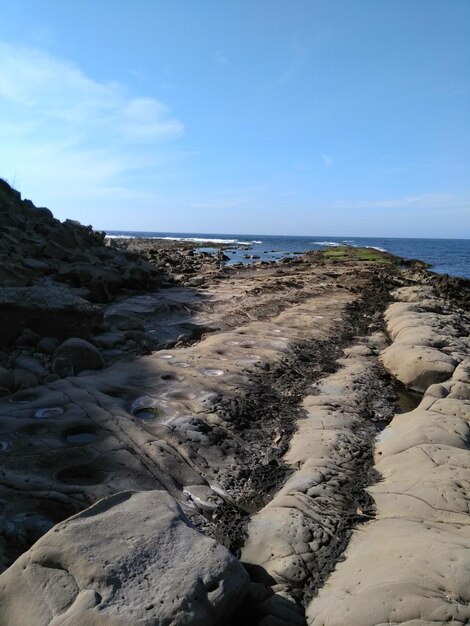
188	443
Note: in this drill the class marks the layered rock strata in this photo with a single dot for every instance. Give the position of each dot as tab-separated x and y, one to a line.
208	423
295	541
410	564
252	418
429	337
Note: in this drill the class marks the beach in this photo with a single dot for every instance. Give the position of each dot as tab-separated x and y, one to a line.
190	440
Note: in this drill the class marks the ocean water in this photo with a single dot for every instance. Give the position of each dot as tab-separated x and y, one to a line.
446	256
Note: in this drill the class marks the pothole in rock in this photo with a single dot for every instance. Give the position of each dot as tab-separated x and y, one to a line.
165	357
80	435
213	372
407	400
23	397
49	412
80	475
4	445
34	430
180	395
147	408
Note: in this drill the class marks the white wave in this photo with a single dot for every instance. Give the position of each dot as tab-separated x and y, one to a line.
193	239
376	248
130	237
331	244
201	239
254	241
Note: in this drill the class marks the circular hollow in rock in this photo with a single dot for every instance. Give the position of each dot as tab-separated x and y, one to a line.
80	475
165	357
49	412
80	435
148	414
212	372
182	364
39	428
169	376
147	408
180	395
23	397
4	445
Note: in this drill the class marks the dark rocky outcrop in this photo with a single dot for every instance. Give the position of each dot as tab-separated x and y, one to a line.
68	265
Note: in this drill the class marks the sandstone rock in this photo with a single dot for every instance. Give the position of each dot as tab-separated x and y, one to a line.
6	378
27	338
55	251
410	564
30	364
428	341
46	309
417	367
22	379
76	355
48	345
197	281
132	558
295	535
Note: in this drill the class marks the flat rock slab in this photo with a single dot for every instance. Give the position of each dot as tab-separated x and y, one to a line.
132	558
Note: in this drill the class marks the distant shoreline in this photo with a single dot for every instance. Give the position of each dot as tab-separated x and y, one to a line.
445	256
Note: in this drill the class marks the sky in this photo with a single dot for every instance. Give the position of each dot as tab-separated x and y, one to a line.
296	117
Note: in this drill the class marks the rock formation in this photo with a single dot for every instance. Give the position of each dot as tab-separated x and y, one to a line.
160	417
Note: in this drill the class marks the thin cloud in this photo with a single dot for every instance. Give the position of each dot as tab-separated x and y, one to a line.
423	201
326	159
57	122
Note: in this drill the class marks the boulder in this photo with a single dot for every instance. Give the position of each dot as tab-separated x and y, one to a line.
22	379
76	355
417	366
47	345
46	309
132	558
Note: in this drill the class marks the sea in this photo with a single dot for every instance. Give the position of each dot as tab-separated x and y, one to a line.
446	256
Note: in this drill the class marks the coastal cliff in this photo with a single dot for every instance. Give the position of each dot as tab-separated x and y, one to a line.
184	442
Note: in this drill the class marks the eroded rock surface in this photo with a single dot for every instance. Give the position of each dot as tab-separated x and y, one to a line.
410	564
255	409
295	541
429	337
132	558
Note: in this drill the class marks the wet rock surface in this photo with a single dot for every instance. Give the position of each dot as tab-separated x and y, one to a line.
250	398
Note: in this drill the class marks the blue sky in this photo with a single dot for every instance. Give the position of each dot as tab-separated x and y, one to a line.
332	117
